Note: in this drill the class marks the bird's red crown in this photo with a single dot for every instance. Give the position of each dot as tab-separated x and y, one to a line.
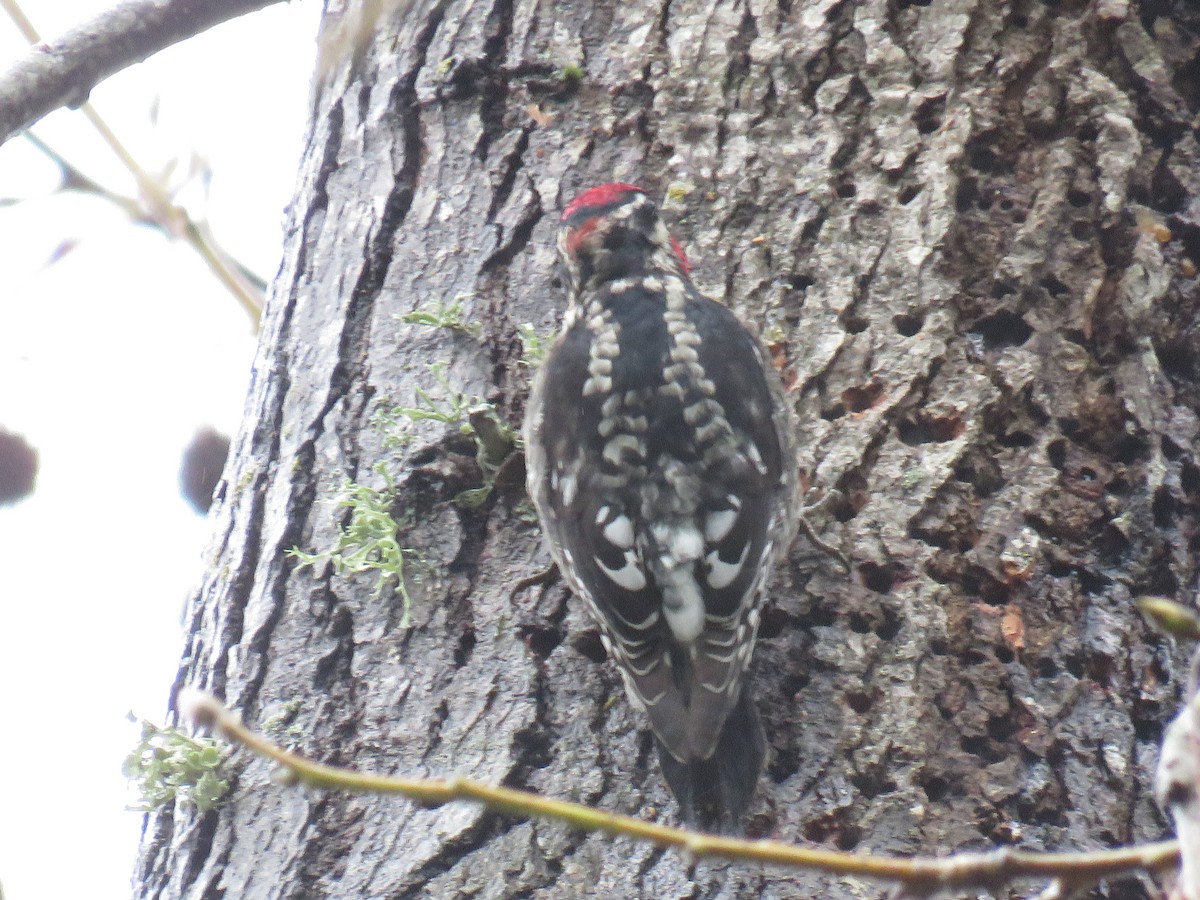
605	195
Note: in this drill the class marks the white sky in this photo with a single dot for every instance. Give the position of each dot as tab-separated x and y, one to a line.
110	359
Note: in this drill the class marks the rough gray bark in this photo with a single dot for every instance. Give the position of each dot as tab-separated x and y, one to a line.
972	229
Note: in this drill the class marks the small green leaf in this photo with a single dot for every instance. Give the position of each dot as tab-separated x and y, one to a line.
533	346
1170	617
438	314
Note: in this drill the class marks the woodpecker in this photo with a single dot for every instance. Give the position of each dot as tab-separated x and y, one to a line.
659	456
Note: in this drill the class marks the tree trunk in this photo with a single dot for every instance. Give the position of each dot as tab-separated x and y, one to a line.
972	231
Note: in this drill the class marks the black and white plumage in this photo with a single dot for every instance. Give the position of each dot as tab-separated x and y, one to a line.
659	458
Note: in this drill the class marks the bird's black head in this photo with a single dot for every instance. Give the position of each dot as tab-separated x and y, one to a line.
614	231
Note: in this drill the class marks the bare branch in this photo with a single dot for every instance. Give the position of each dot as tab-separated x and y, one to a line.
156	209
63	72
919	876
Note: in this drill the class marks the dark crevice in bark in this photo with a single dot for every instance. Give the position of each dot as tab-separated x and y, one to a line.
825	63
475	839
532	746
213	891
361	68
598	725
850	320
516	240
202	834
915	396
648	862
434	728
661	20
737	65
550	868
329	161
333	825
335	666
349	370
492	83
300	502
511	165
238	594
314	214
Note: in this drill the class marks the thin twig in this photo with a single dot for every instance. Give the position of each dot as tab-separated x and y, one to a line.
75	179
63	72
545	577
827	500
919	876
69	62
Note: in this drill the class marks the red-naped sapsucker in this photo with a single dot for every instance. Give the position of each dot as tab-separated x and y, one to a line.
659	454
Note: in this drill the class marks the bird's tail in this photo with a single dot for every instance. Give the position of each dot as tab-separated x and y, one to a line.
714	793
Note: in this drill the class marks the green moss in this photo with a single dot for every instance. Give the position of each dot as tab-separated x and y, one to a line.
470	415
677	191
369	542
246	479
438	314
774	334
533	346
282	727
168	765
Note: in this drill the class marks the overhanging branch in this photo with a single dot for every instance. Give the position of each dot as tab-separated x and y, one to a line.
1068	872
62	72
